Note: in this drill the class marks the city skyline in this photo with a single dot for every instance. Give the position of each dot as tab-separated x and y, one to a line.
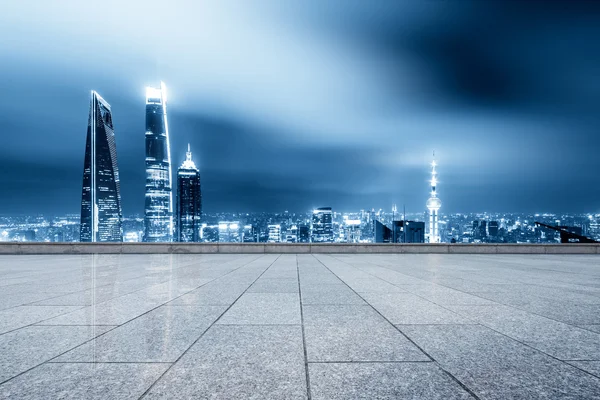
294	109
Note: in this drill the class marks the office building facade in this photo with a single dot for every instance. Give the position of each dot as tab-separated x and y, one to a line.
189	201
158	210
101	216
322	225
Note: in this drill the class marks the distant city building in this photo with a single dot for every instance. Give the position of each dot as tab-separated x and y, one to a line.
189	201
303	234
408	232
210	233
433	205
483	229
322	225
229	232
101	217
159	199
249	234
382	234
274	233
493	228
291	235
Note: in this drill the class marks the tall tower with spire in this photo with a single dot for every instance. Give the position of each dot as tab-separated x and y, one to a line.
189	201
158	210
433	205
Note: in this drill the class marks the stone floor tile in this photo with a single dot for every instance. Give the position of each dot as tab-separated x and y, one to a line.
494	366
18	317
264	308
383	381
239	362
593	367
407	308
349	342
342	314
558	339
27	347
271	285
161	335
341	295
83	381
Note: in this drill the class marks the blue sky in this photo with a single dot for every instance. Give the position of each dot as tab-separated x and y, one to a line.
293	105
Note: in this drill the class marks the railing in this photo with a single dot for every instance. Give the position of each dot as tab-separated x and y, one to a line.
200	248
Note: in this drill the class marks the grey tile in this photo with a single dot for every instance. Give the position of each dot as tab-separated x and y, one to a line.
342	314
264	308
239	362
594	328
497	367
10	300
27	347
83	381
372	285
593	367
212	294
113	312
21	316
560	340
270	285
407	308
350	342
162	335
445	296
383	381
343	296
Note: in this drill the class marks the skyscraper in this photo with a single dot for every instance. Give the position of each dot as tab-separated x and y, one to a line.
433	205
274	233
189	201
158	221
101	217
322	225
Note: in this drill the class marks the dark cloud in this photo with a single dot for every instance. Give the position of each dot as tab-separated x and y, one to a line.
292	105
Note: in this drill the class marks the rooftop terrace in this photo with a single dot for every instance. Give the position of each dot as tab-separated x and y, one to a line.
288	326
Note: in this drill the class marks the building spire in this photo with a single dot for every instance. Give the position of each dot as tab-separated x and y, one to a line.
188	154
433	205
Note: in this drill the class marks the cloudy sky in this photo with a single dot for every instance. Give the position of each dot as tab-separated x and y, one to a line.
298	104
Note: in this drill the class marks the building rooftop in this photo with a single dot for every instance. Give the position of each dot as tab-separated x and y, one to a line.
286	326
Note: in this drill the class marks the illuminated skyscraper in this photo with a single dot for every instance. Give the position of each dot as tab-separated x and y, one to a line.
158	221
433	205
274	233
322	225
189	201
101	218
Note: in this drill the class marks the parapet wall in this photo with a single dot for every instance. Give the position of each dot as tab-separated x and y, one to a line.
340	248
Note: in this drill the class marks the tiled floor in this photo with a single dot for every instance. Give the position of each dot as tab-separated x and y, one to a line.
233	326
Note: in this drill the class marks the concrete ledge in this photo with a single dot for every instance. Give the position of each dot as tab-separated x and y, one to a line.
322	248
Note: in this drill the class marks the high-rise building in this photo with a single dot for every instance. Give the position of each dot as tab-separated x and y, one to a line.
101	217
303	234
210	233
408	232
322	225
274	233
229	232
291	235
483	228
433	205
493	228
381	233
189	201
249	234
158	221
